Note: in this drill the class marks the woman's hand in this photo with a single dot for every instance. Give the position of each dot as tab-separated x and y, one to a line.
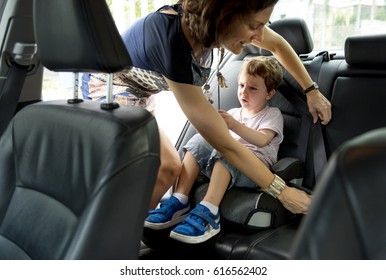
295	200
319	107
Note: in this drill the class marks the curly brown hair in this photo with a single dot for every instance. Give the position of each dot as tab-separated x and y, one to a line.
207	19
265	67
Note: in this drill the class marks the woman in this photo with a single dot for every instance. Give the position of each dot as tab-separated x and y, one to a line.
171	49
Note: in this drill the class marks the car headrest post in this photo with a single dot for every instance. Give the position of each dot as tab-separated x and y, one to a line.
109	104
75	98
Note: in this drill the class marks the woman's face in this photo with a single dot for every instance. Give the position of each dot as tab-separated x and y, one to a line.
241	33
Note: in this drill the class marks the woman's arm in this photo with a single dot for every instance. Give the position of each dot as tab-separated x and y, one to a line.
213	128
318	105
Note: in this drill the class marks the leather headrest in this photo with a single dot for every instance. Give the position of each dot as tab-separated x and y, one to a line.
366	50
296	32
78	36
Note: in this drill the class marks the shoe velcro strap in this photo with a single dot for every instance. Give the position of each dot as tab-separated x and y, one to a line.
162	209
201	214
156	211
195	224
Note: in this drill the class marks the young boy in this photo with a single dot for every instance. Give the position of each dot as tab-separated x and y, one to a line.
256	125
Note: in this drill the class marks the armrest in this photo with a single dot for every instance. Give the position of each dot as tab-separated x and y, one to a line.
288	168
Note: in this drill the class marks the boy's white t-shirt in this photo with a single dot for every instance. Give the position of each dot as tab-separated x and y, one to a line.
268	118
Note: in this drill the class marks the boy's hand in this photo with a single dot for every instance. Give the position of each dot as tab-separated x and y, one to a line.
229	120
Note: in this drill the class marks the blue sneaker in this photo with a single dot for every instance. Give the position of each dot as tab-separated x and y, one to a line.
170	213
198	227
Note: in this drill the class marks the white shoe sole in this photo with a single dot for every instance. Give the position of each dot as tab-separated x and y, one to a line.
172	222
195	239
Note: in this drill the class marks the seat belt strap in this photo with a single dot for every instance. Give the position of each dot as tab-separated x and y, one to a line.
22	57
10	94
312	139
318	148
298	101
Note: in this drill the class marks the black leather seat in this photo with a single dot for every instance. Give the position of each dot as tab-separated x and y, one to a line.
353	85
273	243
75	179
346	216
357	92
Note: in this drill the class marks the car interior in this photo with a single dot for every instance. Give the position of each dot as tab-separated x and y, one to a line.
352	81
70	172
76	176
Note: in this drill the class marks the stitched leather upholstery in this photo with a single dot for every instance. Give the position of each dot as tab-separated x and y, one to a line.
355	91
355	56
345	219
76	180
344	222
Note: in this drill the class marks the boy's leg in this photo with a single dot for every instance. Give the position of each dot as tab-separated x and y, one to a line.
218	184
189	172
203	221
176	208
197	154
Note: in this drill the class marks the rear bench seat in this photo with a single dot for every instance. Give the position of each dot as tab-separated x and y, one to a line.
355	86
274	243
354	82
358	93
296	118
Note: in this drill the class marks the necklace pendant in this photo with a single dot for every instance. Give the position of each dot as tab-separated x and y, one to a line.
208	94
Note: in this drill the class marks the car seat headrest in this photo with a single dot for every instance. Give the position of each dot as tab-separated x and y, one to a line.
78	36
366	50
296	32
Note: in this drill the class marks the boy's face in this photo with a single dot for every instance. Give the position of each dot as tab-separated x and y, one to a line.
252	92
